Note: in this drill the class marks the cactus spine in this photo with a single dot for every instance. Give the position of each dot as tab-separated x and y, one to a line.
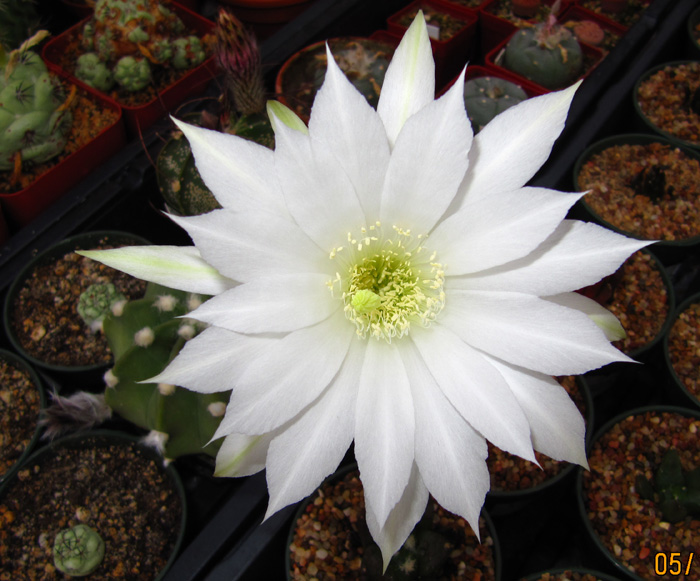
35	118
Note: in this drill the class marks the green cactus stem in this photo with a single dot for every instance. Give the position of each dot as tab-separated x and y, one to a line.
96	302
78	551
94	72
546	53
676	492
35	116
486	97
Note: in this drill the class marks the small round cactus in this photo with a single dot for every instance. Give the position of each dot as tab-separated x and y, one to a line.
486	97
132	73
545	53
96	303
94	72
78	551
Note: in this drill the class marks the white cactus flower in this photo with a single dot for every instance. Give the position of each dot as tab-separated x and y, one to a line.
386	277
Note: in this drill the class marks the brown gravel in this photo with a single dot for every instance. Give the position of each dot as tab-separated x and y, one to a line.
666	98
614	177
626	18
447	24
510	473
45	319
640	301
116	490
684	348
628	525
19	413
567	575
326	541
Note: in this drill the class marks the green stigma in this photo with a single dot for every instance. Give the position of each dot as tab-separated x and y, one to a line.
365	301
387	282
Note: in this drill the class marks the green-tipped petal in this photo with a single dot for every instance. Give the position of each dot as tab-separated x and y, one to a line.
172	266
603	318
409	83
277	112
241	455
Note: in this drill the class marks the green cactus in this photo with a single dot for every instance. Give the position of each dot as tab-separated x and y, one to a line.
132	37
486	97
242	113
78	551
97	302
94	72
546	53
18	21
35	118
675	491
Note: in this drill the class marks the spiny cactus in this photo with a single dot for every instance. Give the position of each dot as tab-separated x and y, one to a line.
78	551
127	39
486	97
675	491
242	113
18	21
35	116
546	53
144	335
96	303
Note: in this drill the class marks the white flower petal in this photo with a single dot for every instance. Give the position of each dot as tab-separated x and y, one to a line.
271	305
450	455
249	245
238	172
179	267
475	388
409	83
402	519
313	446
288	376
515	144
384	427
213	361
428	163
317	191
499	228
576	255
277	112
529	331
604	319
242	455
557	427
343	120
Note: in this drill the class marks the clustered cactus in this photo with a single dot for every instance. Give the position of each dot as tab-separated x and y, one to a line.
242	113
144	336
78	551
546	53
126	39
675	491
35	116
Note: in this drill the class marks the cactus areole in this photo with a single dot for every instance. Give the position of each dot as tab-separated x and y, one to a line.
546	53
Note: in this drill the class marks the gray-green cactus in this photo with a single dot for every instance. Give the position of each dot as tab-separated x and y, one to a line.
486	97
78	551
675	491
94	72
97	302
35	117
131	38
242	113
546	53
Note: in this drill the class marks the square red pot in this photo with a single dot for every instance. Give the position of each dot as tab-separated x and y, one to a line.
138	118
450	54
23	206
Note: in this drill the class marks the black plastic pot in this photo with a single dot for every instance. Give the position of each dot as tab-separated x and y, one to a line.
83	375
678	391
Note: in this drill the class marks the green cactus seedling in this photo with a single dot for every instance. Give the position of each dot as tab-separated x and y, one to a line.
546	53
78	551
486	97
96	302
675	491
35	118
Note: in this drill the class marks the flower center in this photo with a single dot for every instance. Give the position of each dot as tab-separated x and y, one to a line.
387	282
